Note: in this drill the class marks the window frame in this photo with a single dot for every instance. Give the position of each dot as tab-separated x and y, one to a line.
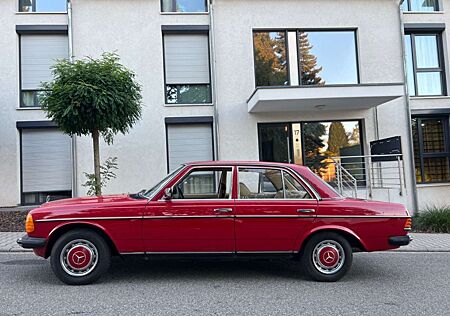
20	33
437	7
441	69
288	62
355	39
33	9
314	195
181	33
205	168
36	125
422	155
184	12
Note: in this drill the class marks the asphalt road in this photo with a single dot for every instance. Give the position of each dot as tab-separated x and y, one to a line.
378	284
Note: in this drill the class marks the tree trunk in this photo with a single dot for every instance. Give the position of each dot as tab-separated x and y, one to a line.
95	141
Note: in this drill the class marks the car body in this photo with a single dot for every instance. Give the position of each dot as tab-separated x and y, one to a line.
230	208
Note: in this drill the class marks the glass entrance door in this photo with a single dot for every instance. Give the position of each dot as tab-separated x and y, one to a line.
274	142
313	144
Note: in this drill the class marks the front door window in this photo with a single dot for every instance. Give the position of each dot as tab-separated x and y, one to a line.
205	184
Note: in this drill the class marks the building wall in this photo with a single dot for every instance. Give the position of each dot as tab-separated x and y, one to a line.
133	30
433	194
10	112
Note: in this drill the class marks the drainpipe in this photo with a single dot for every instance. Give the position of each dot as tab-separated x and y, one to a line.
214	77
412	170
74	138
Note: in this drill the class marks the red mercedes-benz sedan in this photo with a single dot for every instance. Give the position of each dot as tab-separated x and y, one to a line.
221	207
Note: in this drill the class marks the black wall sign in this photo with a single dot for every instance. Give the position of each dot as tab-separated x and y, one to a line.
387	146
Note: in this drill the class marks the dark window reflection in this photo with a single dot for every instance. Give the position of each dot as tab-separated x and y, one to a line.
274	142
42	5
188	94
420	5
184	6
431	140
327	57
270	58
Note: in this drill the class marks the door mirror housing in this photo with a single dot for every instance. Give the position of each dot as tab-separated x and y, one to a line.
168	193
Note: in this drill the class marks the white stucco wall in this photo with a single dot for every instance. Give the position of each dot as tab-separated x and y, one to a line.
133	30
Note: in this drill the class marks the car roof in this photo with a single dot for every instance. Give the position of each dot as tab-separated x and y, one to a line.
242	163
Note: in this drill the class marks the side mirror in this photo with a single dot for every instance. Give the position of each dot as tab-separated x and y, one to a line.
168	193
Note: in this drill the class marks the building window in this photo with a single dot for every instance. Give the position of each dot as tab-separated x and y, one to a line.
313	144
187	71
42	5
184	6
420	5
424	64
46	165
431	139
188	142
38	53
270	58
327	57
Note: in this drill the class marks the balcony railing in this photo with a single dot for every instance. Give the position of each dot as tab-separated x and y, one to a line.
360	176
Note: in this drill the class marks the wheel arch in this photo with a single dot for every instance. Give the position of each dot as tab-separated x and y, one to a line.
64	228
354	240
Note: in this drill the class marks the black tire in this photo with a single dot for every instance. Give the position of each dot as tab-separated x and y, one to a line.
80	256
326	257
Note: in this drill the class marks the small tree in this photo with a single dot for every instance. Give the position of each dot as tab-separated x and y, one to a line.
93	97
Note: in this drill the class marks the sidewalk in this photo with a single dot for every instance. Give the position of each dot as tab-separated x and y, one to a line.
421	243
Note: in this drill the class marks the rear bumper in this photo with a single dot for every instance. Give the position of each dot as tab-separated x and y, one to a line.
28	242
399	240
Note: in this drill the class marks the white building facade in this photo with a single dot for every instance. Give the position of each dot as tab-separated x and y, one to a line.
303	82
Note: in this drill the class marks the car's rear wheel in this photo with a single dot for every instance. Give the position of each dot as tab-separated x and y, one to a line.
327	257
80	257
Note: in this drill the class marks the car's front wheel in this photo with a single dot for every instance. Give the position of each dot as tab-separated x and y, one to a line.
80	257
327	257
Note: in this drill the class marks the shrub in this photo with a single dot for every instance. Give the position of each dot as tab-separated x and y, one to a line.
433	219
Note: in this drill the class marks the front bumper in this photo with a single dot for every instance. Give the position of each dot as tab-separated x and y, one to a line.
400	240
28	242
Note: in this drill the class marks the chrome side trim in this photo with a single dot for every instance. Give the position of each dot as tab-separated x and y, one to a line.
215	216
362	216
187	216
274	216
87	218
203	252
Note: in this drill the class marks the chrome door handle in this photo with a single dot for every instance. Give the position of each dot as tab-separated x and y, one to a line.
309	210
223	210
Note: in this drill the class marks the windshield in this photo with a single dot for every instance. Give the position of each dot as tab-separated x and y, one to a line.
150	193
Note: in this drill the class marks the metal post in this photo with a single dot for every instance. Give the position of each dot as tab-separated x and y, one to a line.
400	176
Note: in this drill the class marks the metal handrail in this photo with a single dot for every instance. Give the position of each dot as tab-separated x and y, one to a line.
363	173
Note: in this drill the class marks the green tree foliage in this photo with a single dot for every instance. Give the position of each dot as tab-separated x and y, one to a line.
308	62
313	143
270	58
337	138
93	97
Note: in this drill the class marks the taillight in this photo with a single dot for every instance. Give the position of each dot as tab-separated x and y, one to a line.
408	224
29	224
